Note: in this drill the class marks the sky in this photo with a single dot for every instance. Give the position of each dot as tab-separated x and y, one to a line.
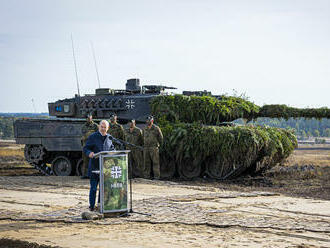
270	51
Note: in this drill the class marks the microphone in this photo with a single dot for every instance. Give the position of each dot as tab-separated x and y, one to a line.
122	142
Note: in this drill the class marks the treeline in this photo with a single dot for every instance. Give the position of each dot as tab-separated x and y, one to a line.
7	122
302	127
6	128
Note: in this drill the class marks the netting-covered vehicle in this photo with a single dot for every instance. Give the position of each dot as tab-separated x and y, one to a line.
199	138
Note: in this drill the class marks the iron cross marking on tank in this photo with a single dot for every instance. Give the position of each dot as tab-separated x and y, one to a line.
130	104
115	171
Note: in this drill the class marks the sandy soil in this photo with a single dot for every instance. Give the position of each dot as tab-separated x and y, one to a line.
46	210
12	161
316	157
289	208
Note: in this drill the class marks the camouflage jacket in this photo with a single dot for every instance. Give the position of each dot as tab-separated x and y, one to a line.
87	129
116	130
152	137
134	137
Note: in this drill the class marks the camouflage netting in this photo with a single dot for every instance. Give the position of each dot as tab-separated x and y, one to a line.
206	109
195	149
283	111
222	152
212	111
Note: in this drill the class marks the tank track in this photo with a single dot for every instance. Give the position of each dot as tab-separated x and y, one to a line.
43	168
35	155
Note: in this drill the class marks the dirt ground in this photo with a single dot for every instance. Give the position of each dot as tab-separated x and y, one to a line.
12	162
288	206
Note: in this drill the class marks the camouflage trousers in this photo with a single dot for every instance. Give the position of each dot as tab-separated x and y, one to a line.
84	168
151	162
136	161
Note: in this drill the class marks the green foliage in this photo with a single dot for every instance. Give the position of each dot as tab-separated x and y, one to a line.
241	145
327	132
320	141
283	111
206	109
212	111
7	122
220	151
6	128
316	133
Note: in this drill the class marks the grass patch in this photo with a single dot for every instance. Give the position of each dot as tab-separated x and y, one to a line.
11	153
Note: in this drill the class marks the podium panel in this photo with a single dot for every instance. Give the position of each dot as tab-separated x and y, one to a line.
113	182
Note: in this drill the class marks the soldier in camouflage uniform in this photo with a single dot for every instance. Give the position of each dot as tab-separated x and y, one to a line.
87	129
133	135
152	139
115	129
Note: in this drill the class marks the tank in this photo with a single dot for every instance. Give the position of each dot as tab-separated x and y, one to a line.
53	145
200	139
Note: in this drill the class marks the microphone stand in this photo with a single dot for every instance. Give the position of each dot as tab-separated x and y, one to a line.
130	191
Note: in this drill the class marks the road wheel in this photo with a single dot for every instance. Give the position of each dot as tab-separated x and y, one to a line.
61	166
79	167
217	167
189	169
167	168
34	153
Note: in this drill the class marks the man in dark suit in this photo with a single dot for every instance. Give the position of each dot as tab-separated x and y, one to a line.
97	142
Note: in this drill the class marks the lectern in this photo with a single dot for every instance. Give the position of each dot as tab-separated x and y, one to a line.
113	181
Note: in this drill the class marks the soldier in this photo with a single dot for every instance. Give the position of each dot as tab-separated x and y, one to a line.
152	139
87	129
115	129
133	135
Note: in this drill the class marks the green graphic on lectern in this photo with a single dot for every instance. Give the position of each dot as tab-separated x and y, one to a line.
115	183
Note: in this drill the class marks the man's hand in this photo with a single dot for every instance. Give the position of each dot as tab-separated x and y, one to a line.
91	155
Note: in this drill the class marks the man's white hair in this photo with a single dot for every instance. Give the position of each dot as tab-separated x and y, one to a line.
105	122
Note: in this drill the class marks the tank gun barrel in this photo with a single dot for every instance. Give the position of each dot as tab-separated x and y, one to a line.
170	88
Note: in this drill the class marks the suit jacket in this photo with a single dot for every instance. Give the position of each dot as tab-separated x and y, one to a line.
96	144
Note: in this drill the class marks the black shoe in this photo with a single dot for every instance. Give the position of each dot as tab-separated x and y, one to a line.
84	177
91	209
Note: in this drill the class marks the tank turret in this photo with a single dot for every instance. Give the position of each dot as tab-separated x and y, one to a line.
131	103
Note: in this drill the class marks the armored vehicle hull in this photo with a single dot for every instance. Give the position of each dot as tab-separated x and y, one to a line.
57	141
54	142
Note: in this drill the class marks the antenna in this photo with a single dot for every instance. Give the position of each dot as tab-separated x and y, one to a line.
97	72
75	65
34	107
